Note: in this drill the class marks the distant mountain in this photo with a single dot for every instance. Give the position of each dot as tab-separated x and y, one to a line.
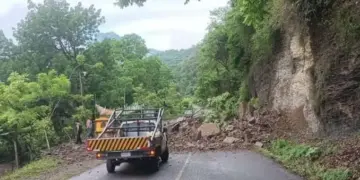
108	35
173	57
170	57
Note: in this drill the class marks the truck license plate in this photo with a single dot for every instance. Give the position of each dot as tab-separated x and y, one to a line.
125	154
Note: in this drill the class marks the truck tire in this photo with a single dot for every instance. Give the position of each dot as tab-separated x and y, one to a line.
165	155
110	166
154	165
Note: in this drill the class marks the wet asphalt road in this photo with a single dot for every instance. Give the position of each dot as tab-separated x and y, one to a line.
243	165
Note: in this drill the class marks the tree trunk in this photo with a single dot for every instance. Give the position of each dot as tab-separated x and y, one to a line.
16	155
30	152
47	140
81	86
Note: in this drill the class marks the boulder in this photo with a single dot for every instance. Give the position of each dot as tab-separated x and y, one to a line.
209	129
230	140
189	144
242	110
242	126
175	128
259	144
229	128
252	120
197	136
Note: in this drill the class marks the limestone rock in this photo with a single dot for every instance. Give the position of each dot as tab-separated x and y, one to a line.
197	136
242	110
252	120
259	144
209	129
229	128
230	140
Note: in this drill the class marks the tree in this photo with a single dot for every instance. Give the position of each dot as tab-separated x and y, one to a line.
6	46
54	27
129	47
26	108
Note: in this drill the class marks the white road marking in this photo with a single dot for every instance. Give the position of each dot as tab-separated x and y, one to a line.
183	168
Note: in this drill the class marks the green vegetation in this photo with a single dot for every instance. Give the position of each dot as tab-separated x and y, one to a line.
33	169
58	67
304	160
215	72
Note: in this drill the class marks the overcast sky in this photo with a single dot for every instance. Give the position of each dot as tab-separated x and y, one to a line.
164	24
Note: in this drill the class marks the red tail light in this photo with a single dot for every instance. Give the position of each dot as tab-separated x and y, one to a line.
99	156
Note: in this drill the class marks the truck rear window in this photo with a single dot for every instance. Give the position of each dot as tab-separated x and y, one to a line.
141	126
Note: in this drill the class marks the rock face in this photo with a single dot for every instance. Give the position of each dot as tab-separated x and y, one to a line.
209	129
294	86
286	84
313	73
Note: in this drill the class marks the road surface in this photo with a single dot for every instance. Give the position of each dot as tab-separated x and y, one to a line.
243	165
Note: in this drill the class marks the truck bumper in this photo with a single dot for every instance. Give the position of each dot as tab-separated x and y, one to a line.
126	155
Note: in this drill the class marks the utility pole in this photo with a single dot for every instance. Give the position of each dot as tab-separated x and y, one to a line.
124	96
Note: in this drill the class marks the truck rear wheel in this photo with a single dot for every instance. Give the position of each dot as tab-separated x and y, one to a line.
154	164
165	155
110	166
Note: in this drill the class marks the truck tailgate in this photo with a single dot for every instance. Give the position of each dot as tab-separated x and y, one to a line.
117	144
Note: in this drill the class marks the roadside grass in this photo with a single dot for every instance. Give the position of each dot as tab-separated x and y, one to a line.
33	169
304	160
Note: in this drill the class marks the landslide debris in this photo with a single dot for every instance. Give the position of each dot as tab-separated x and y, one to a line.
70	153
190	134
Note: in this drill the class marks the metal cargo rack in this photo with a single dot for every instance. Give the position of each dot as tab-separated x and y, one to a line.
126	116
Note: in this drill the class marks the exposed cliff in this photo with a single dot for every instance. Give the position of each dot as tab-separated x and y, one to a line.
314	73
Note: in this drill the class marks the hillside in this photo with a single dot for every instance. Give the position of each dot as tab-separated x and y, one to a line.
173	57
170	57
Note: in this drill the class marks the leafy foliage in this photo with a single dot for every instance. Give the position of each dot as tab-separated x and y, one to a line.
55	29
26	107
302	159
309	9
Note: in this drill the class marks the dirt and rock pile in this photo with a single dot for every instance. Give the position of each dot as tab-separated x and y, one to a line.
193	135
70	153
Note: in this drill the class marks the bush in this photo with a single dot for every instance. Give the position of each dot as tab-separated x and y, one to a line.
33	169
221	108
289	151
335	174
302	159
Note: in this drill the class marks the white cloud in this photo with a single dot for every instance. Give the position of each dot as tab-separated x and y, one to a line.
161	23
194	24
